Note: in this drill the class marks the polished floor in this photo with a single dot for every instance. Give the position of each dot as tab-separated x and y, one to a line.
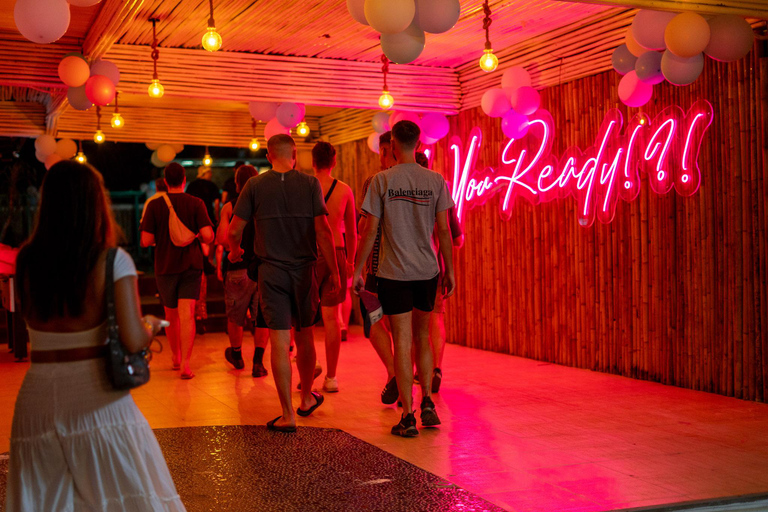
524	435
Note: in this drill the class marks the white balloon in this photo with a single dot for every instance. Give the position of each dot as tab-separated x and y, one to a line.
730	38
389	16
373	142
495	103
356	9
437	16
66	148
648	28
41	21
680	71
45	145
380	122
403	47
83	3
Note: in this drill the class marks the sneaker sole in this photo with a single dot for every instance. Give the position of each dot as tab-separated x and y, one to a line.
409	432
429	418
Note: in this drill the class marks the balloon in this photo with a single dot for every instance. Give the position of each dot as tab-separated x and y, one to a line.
730	38
290	114
389	16
437	16
156	161
633	92
687	34
648	28
73	71
40	157
45	145
177	148
495	103
403	47
514	125
152	146
623	60
525	100
356	8
435	126
680	71
100	90
373	142
648	68
404	116
262	110
107	69
83	3
632	45
426	139
274	127
381	122
165	153
50	160
41	21
66	148
78	99
514	78
304	160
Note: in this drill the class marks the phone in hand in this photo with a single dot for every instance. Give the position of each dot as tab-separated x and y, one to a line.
165	323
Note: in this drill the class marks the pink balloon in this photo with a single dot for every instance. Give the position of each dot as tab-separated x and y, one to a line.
290	114
648	28
274	127
525	100
51	160
107	69
514	125
373	142
83	3
100	90
633	92
41	21
730	38
74	71
380	122
262	110
514	78
426	139
435	126
495	103
405	116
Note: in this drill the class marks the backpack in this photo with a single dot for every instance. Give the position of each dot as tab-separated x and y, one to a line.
181	236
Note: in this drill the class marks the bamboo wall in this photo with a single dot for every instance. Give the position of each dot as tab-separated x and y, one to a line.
674	290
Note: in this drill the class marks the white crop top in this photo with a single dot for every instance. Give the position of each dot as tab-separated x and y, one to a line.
124	265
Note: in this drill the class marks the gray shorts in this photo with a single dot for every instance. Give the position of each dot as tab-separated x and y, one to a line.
240	295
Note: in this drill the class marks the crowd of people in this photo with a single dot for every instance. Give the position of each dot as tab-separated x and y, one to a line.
286	246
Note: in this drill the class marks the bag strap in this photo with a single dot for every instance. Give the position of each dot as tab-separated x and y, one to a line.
109	294
330	190
168	202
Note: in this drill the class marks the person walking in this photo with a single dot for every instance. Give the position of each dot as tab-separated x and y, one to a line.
76	442
406	200
178	268
290	218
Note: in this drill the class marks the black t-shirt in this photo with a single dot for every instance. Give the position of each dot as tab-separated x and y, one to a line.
207	191
284	207
170	259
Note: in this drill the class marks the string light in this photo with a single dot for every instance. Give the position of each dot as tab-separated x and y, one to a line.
488	62
303	129
386	101
155	89
80	157
98	137
207	160
254	144
211	39
117	120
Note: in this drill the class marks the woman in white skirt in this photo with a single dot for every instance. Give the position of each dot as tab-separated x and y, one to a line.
77	444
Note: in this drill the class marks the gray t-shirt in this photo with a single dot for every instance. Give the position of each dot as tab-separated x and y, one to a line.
407	198
283	207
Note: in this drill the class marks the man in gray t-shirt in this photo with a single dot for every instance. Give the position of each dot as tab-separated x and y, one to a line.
406	200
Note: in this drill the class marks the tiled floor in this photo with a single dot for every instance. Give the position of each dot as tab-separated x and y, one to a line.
525	435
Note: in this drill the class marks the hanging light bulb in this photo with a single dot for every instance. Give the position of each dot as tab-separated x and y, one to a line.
207	160
303	129
80	156
98	137
211	39
155	88
488	62
117	119
254	145
386	101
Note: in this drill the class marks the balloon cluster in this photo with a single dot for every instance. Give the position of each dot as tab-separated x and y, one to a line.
668	46
89	85
433	125
45	21
49	151
402	23
280	117
163	154
513	102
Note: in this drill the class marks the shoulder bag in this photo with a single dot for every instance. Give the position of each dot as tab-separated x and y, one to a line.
181	235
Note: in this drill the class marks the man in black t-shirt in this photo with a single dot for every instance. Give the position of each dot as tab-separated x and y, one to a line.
178	270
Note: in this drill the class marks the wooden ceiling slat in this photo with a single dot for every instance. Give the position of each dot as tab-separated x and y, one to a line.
21	119
746	8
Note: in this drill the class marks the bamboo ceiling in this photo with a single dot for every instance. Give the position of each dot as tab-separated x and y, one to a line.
308	51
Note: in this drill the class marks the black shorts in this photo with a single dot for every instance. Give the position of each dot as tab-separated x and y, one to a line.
173	287
287	298
399	297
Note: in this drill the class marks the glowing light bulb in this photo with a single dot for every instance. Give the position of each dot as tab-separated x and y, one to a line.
156	89
488	62
80	157
207	160
211	40
99	137
386	101
254	145
117	121
302	130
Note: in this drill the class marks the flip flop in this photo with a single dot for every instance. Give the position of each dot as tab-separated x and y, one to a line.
287	429
187	376
176	367
319	398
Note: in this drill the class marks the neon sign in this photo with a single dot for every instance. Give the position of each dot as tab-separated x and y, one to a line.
665	149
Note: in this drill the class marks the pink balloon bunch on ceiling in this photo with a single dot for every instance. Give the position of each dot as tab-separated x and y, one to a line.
45	21
433	125
280	117
89	85
49	151
513	102
669	46
402	23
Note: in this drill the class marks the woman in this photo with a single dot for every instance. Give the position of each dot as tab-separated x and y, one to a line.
77	443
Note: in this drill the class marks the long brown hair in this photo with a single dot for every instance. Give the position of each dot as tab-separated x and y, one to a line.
74	225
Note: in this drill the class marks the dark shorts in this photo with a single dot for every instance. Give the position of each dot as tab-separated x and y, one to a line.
287	298
173	287
323	270
240	295
399	297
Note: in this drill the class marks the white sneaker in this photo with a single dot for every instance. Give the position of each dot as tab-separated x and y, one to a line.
331	385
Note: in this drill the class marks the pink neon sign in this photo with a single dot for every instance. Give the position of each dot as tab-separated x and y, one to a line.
665	149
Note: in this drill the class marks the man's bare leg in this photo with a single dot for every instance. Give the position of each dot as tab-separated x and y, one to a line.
346	309
423	351
172	332
382	344
403	338
281	371
235	332
186	333
437	337
305	362
332	323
